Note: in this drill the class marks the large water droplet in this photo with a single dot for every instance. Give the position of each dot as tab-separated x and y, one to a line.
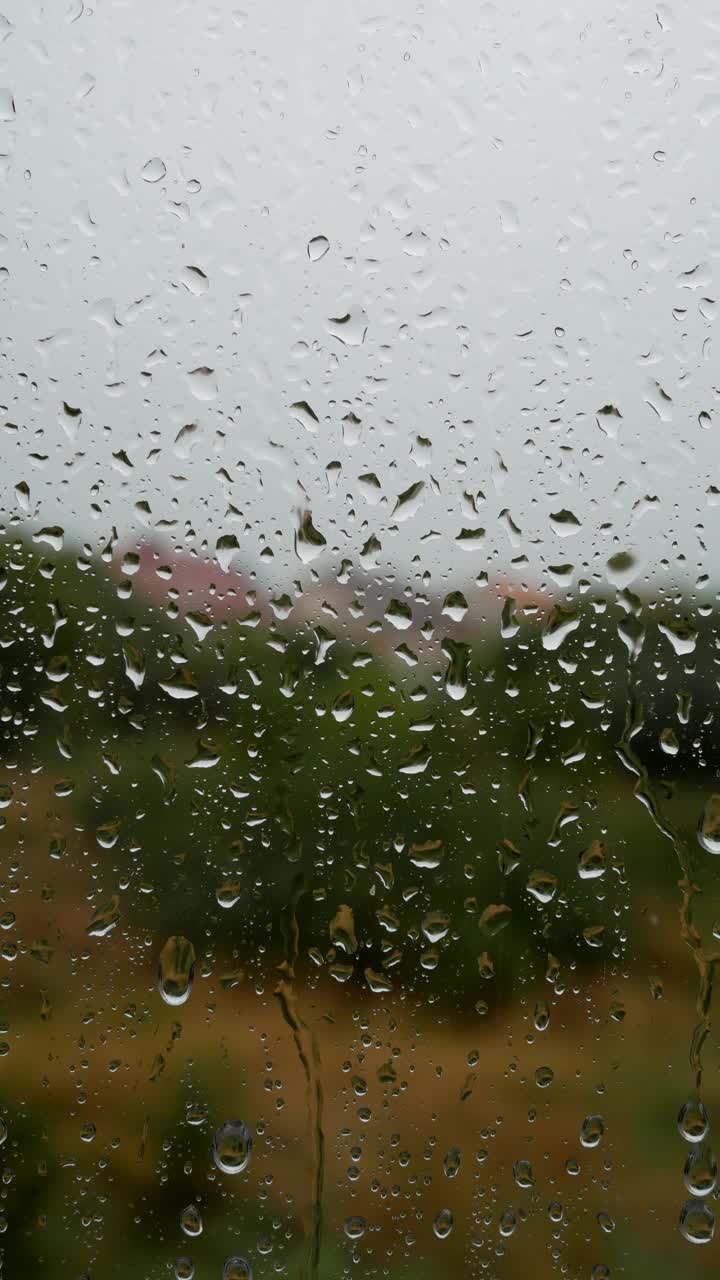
237	1268
456	676
592	1131
701	1171
443	1224
176	970
355	1227
541	1016
309	542
203	383
542	885
523	1174
154	170
191	1220
507	1223
682	637
232	1147
564	523
349	329
708	832
693	1120
228	894
317	248
435	925
591	863
697	1222
560	624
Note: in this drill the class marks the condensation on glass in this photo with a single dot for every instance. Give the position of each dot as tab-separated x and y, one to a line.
359	666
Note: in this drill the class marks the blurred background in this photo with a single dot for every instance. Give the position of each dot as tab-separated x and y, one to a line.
434	906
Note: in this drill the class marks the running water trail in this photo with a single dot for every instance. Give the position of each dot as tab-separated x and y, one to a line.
309	1055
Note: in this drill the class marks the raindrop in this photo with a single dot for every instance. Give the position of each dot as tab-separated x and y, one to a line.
697	1222
708	831
523	1174
443	1224
543	886
349	329
309	542
203	383
232	1147
176	970
564	523
355	1228
495	918
693	1121
701	1171
317	248
408	502
228	894
154	170
541	1016
191	1221
592	1131
591	863
237	1268
507	1223
435	925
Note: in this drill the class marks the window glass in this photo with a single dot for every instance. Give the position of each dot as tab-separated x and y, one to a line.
359	665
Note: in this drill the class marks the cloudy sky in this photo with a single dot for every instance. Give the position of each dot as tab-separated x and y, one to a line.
307	256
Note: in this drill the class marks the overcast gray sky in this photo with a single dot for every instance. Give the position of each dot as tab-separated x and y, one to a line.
522	216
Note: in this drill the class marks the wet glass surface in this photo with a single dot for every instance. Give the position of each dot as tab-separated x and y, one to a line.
359	663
